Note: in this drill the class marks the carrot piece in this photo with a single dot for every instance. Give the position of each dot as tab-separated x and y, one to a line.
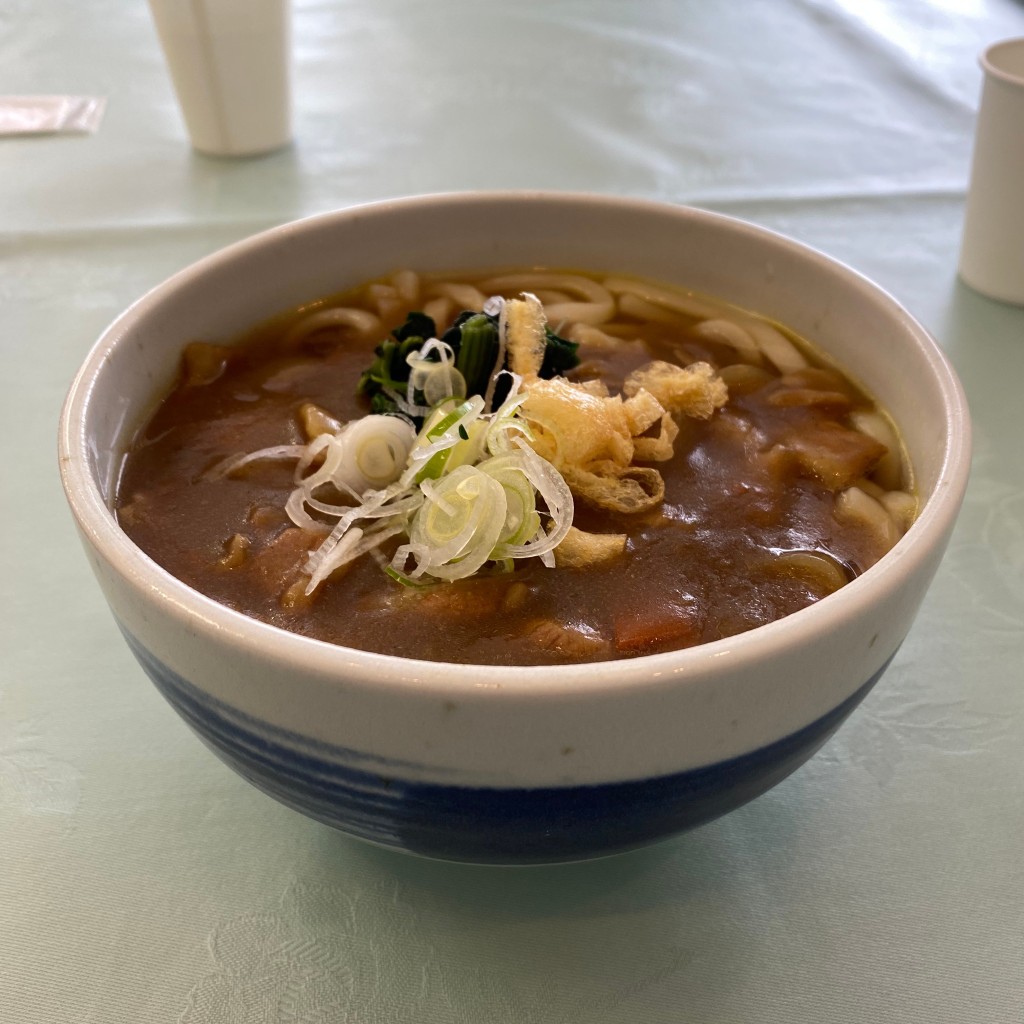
673	624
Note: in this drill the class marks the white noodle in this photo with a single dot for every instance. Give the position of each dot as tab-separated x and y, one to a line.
594	337
407	284
633	305
362	320
777	348
388	302
680	301
464	295
889	470
729	333
440	311
856	505
598	307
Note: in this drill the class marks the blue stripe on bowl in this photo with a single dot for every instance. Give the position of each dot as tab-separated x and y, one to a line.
368	797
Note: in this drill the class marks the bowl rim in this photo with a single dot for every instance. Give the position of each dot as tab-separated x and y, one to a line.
340	665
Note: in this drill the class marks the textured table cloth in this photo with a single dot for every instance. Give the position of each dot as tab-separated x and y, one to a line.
141	881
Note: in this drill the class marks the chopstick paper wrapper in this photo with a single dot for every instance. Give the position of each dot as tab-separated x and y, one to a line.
50	115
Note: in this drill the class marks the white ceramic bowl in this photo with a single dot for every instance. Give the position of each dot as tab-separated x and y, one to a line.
508	764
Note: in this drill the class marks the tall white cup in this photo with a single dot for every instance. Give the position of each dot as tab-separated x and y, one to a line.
992	253
230	61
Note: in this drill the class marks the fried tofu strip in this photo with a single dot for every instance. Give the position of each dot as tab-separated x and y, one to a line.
580	549
524	335
694	390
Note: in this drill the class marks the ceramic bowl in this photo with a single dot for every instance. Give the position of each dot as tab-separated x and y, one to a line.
507	764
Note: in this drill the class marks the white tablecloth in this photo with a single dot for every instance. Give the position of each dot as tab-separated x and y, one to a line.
141	881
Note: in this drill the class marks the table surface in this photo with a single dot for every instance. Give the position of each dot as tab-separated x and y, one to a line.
142	881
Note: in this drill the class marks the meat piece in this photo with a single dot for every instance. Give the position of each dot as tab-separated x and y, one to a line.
574	640
834	401
315	421
827	451
275	568
235	551
472	598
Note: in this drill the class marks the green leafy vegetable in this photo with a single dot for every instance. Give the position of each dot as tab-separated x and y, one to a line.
417	326
390	370
474	341
559	355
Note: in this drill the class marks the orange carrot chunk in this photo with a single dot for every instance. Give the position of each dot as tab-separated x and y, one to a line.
674	623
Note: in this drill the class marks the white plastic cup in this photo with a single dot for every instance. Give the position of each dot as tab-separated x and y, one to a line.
992	252
230	61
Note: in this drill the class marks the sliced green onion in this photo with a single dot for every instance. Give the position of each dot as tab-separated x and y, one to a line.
366	454
458	524
521	519
465	491
405	579
440	434
395	502
505	422
551	486
433	374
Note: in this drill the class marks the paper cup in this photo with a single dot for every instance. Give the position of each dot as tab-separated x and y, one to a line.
230	61
992	253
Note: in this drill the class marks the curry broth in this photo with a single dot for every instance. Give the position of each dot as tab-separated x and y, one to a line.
703	565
